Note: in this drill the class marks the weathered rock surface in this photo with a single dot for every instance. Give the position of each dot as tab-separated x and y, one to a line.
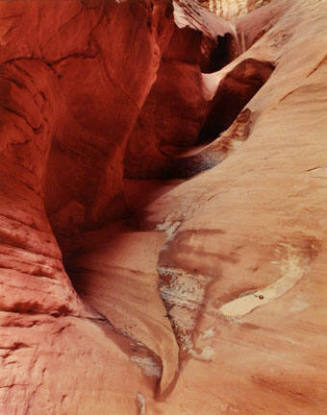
173	113
230	9
62	149
208	295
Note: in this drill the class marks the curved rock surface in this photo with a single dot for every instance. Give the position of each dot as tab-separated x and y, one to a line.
230	9
122	292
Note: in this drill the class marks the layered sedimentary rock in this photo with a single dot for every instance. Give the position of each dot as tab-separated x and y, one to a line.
197	296
232	8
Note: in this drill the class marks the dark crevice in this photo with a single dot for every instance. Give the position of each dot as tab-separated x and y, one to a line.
234	92
218	54
205	157
228	123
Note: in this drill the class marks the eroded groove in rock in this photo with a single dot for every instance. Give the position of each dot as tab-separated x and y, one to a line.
183	294
31	261
234	92
73	83
118	278
203	158
177	157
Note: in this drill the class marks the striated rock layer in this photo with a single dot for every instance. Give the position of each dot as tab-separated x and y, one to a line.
232	8
125	293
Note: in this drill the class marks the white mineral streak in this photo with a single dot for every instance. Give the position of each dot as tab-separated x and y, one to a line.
140	399
292	268
230	9
148	365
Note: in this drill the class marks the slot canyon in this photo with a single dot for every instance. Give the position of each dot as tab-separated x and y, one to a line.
163	205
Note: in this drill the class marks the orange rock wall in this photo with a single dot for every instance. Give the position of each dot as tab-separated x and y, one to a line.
180	297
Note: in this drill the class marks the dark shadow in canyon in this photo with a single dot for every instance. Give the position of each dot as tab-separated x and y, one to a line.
218	54
237	88
227	124
226	112
175	159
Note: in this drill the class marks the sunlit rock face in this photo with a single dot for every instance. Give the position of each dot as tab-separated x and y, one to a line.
230	9
163	207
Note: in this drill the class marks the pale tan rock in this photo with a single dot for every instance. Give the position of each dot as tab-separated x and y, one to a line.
229	9
255	225
124	257
239	249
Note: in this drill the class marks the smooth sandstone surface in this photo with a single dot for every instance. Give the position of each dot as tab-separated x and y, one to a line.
203	294
231	9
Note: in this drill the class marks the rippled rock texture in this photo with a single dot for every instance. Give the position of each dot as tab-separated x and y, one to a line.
232	8
162	207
